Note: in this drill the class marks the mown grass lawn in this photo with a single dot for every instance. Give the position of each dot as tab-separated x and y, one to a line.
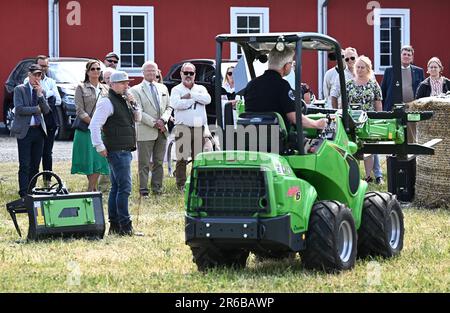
161	262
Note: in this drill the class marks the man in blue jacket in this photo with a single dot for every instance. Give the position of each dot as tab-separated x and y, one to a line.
412	76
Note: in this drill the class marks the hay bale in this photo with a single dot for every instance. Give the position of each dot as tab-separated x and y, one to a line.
433	171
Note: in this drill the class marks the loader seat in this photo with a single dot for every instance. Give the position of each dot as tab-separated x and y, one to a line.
266	123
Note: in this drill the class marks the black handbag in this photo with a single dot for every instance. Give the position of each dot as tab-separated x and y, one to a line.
81	125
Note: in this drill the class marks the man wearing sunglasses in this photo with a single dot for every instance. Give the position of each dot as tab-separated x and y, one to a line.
350	55
111	60
329	78
188	101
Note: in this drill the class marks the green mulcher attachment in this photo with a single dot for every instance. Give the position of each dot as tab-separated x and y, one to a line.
53	212
275	192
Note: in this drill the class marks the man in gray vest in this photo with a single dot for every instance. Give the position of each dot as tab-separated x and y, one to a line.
116	116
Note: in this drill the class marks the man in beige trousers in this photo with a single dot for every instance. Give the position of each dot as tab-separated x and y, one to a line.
153	100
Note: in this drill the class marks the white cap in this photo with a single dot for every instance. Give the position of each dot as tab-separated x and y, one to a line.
119	76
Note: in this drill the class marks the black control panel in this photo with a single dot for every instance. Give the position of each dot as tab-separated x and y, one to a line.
328	133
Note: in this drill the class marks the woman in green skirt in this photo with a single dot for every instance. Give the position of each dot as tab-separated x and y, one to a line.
85	159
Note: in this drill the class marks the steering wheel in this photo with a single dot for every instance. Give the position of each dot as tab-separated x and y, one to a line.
56	188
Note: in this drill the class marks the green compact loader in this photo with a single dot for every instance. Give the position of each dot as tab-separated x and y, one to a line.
274	191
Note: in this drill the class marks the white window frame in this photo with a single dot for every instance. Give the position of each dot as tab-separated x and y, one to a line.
405	32
247	11
149	53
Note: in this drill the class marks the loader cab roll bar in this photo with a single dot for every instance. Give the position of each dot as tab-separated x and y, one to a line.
257	46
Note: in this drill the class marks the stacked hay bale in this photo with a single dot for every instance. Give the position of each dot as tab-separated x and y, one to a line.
433	171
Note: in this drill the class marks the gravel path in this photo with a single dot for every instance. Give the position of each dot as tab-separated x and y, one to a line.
62	150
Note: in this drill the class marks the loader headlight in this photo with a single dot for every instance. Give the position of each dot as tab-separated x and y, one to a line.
280	45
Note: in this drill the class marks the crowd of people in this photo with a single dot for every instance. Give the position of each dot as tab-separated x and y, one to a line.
119	119
363	89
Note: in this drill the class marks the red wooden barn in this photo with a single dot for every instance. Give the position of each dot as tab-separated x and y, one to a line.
171	30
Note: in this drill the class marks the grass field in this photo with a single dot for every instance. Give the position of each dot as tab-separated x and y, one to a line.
161	262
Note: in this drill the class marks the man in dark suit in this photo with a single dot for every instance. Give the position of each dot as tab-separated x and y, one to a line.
51	93
412	76
29	125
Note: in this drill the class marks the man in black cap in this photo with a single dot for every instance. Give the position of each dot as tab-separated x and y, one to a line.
111	60
29	125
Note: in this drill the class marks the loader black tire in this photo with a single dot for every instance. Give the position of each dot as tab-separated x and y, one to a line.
382	230
208	257
331	238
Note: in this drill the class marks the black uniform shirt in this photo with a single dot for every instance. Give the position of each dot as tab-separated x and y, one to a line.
270	93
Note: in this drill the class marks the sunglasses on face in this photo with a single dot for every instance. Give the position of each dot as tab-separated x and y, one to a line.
158	77
112	61
230	73
95	69
187	73
350	58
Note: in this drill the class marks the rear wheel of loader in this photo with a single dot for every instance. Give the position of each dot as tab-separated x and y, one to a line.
331	238
381	232
210	257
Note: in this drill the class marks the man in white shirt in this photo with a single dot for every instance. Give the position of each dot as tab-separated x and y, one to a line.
350	56
188	101
328	80
115	116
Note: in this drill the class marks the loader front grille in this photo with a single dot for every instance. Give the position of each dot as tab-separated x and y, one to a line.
229	191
